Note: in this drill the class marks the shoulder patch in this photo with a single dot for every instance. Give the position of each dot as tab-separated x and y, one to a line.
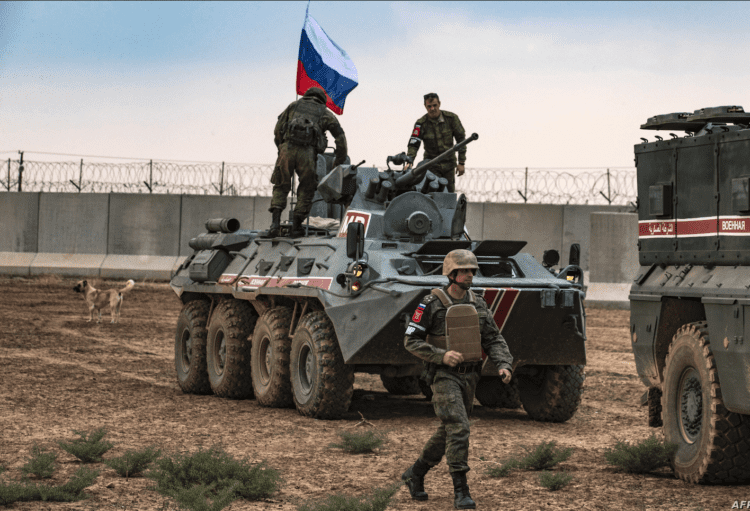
429	298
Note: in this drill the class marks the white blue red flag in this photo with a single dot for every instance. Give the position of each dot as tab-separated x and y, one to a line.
323	63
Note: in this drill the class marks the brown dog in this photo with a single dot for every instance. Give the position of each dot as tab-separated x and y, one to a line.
97	299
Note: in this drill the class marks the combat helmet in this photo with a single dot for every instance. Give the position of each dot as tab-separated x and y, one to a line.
458	260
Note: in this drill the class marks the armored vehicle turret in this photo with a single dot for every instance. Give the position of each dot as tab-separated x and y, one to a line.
689	301
291	320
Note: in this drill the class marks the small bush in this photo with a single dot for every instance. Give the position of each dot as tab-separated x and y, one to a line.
360	442
41	463
88	448
68	492
133	463
544	456
504	469
642	457
554	482
377	501
216	475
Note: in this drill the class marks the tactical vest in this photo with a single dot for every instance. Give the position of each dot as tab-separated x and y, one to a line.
462	332
304	126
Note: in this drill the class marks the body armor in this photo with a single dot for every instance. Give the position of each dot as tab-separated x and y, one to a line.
462	332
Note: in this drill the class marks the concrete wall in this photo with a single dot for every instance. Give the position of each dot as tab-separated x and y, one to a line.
119	235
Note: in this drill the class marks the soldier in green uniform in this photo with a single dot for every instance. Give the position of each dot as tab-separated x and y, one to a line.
300	136
454	363
437	129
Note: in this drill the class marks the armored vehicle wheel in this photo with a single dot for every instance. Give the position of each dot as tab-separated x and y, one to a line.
270	358
493	393
190	348
401	385
228	351
552	393
322	386
426	389
713	443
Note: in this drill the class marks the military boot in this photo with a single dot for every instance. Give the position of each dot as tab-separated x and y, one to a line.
414	479
462	499
298	230
275	228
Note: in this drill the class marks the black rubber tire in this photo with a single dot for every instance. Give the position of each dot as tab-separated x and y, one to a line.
553	395
270	358
425	389
713	443
493	393
322	385
190	348
401	385
229	347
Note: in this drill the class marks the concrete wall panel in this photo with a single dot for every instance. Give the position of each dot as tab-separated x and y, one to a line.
475	220
538	224
577	229
16	263
137	267
614	249
144	224
73	223
196	209
83	265
19	221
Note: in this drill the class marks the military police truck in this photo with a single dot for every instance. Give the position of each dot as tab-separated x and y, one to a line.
690	300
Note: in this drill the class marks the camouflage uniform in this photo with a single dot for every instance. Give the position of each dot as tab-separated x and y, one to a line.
302	159
453	393
438	136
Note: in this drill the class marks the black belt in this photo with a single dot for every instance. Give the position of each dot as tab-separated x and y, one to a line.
469	367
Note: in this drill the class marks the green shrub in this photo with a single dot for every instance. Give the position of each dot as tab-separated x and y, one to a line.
360	442
133	463
504	469
641	457
554	482
191	479
41	463
89	447
68	492
544	456
377	501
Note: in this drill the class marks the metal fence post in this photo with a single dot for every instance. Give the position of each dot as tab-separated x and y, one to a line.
20	171
221	180
609	190
525	193
8	184
80	176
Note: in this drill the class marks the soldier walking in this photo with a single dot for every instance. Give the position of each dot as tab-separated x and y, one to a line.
449	330
300	136
437	129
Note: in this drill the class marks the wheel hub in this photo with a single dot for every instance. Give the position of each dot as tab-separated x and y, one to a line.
691	405
266	360
306	370
221	353
187	349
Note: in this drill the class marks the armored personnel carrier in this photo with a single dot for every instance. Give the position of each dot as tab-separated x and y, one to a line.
291	320
690	300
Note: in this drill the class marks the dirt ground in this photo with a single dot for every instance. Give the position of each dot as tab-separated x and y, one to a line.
59	373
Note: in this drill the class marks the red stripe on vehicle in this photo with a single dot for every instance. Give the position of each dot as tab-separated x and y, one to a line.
505	305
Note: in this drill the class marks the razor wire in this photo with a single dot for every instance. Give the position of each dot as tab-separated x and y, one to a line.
614	185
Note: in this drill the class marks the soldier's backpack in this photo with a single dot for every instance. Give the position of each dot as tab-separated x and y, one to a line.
304	127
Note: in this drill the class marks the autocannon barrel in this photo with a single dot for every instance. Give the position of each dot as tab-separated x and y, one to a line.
416	174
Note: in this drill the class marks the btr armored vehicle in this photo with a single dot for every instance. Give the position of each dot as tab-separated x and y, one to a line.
291	320
690	301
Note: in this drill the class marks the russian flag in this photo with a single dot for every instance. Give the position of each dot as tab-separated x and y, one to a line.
323	63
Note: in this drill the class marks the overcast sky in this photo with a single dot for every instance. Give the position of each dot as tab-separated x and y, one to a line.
561	84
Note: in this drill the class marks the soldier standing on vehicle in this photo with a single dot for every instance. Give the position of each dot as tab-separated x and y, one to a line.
437	129
300	136
457	312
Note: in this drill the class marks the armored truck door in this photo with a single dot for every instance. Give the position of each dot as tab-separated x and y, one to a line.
656	220
734	197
